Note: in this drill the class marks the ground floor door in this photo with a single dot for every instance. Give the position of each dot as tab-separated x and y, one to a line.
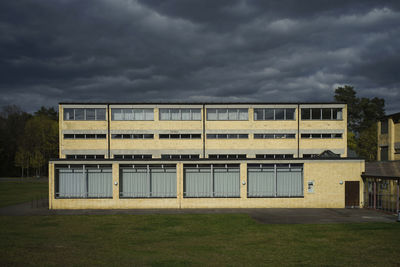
352	194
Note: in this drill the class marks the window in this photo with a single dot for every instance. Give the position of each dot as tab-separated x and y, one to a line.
384	127
179	136
180	114
227	114
323	136
227	136
84	136
132	136
274	136
87	114
227	156
266	114
132	114
321	114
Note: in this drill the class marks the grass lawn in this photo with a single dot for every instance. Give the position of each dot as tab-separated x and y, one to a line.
192	239
14	192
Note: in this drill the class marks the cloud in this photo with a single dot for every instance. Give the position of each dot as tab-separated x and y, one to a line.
153	50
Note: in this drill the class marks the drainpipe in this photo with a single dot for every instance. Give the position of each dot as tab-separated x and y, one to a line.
108	130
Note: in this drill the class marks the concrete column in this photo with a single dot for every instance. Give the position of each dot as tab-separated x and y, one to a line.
179	182
391	139
51	184
115	175
243	180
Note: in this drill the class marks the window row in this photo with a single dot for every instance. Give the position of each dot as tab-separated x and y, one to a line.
227	114
180	136
321	114
261	114
85	114
132	114
182	156
84	156
274	136
84	136
274	156
227	136
180	114
321	136
132	136
134	156
228	156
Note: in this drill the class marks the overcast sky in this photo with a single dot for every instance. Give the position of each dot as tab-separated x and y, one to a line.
154	50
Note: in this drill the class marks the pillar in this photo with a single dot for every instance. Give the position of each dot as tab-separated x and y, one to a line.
179	183
243	180
51	184
115	175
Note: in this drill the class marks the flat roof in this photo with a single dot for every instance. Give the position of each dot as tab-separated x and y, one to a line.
382	169
197	103
392	115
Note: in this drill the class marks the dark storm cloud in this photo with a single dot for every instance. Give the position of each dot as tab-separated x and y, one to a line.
153	50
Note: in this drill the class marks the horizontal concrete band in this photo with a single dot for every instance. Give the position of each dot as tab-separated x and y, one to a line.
231	105
199	131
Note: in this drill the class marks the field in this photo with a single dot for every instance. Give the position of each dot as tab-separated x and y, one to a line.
184	239
18	191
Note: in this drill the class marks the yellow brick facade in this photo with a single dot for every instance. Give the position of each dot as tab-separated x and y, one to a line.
389	140
329	179
204	146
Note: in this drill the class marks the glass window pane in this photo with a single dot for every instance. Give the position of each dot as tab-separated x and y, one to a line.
337	136
69	136
243	136
290	136
222	136
233	114
185	136
164	114
116	114
337	114
269	136
100	114
258	114
315	113
68	114
164	136
243	114
100	136
232	136
185	114
325	136
116	136
279	136
290	113
211	136
211	114
90	136
326	113
222	114
126	136
79	136
258	136
196	114
138	114
128	114
269	114
315	135
196	136
305	114
305	135
90	114
175	114
148	136
148	114
279	114
79	114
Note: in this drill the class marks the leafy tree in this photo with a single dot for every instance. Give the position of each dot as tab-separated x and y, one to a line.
51	113
363	113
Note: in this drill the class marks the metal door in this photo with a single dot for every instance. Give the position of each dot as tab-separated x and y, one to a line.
352	194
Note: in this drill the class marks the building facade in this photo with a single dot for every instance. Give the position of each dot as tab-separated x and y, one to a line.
389	138
216	131
238	155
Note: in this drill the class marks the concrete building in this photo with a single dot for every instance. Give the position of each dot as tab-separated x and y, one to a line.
209	155
389	138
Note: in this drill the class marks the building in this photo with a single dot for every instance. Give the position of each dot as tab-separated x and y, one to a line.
389	138
208	155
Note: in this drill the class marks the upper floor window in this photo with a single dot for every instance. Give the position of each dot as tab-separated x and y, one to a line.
321	135
84	136
227	114
384	127
321	114
265	114
274	136
132	114
227	136
180	114
179	136
84	114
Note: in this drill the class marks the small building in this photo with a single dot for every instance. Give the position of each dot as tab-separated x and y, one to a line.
204	155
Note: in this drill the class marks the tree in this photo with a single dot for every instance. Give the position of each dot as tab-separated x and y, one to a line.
51	113
362	115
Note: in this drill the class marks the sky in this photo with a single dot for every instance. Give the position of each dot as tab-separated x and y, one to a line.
55	51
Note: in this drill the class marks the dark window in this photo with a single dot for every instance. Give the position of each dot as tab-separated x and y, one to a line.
269	136
100	114
164	136
80	156
174	136
68	114
70	156
290	113
90	114
79	136
258	136
279	114
90	156
384	153
326	136
315	113
185	136
258	114
269	114
100	136
384	127
69	136
290	136
99	156
148	136
211	136
90	136
222	136
79	114
305	135
243	136
126	136
196	136
315	135
116	136
305	114
337	135
118	156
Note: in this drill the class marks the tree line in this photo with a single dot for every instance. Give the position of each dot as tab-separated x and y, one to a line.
27	141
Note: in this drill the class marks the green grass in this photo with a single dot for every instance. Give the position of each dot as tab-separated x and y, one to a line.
192	239
15	192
